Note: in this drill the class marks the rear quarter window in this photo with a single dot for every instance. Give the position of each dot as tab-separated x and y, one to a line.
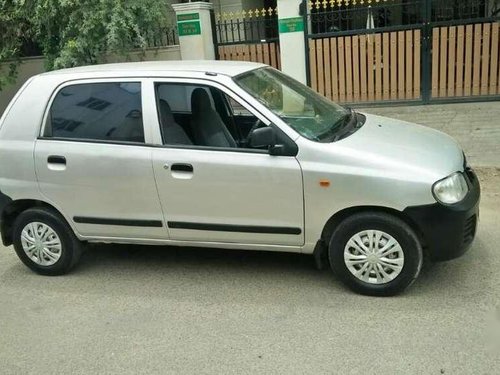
108	111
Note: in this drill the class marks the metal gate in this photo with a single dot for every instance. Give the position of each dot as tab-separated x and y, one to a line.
248	36
402	50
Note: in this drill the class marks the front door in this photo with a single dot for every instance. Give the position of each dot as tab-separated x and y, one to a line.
215	188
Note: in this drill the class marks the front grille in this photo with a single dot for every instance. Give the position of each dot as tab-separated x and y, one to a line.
470	229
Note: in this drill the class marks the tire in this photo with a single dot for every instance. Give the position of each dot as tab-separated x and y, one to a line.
44	261
380	227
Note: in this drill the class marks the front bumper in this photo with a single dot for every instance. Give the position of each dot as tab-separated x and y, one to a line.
448	231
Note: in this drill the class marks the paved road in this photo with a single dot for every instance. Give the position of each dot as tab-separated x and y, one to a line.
130	310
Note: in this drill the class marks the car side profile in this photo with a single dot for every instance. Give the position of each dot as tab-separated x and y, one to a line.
230	155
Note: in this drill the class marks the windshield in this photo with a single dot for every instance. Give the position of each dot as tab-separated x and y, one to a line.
307	112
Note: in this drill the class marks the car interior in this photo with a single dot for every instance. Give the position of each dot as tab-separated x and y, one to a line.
202	116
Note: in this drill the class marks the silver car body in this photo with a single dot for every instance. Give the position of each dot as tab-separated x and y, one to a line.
386	163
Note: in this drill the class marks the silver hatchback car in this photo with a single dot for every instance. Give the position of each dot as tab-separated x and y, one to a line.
230	155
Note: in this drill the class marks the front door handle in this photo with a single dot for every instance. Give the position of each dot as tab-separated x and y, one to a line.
56	163
182	167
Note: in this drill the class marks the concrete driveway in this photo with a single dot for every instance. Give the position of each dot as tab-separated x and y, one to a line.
131	310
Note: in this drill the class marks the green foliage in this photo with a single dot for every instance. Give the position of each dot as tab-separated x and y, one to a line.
14	29
75	32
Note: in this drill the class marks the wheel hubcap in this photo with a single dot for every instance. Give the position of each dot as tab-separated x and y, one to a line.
41	243
374	256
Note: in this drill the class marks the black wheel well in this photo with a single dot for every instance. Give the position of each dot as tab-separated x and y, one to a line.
339	216
12	211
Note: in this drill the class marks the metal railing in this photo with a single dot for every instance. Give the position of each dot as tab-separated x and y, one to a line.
350	17
165	34
162	36
253	26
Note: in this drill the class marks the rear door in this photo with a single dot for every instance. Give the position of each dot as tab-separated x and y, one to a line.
221	194
93	162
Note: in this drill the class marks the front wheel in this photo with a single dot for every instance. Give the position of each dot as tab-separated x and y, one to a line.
45	242
375	254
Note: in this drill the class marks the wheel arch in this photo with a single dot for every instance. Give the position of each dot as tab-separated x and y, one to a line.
339	216
13	209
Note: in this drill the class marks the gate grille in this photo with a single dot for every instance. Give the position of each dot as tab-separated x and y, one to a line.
403	50
248	36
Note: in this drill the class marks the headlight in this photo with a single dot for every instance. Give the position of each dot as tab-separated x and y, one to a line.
451	189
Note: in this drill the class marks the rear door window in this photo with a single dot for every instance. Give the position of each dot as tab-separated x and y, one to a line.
109	111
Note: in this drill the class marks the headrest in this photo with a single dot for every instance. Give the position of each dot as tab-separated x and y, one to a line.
200	101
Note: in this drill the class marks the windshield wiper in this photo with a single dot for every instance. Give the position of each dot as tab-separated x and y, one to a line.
344	120
338	125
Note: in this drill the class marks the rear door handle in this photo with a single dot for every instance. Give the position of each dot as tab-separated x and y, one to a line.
181	167
56	159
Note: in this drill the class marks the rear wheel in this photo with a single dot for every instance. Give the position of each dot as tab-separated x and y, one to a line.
375	254
45	242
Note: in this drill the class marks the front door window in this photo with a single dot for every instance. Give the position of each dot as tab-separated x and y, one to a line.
203	116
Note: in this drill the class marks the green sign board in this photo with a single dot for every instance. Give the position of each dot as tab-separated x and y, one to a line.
188	17
188	24
189	28
290	25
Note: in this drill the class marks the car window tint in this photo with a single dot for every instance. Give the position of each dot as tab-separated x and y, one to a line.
179	96
99	111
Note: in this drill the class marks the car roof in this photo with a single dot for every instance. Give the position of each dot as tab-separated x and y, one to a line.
229	68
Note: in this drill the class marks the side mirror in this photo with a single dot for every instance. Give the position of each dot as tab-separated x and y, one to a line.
266	137
263	137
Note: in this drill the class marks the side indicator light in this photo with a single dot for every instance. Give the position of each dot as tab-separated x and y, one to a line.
324	183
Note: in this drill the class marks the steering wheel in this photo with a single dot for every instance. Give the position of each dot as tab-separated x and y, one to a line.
257	125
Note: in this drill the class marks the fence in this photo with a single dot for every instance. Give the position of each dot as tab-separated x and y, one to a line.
382	66
248	36
465	60
163	36
370	51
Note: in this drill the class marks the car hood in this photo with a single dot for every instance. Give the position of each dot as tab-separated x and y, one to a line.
399	145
